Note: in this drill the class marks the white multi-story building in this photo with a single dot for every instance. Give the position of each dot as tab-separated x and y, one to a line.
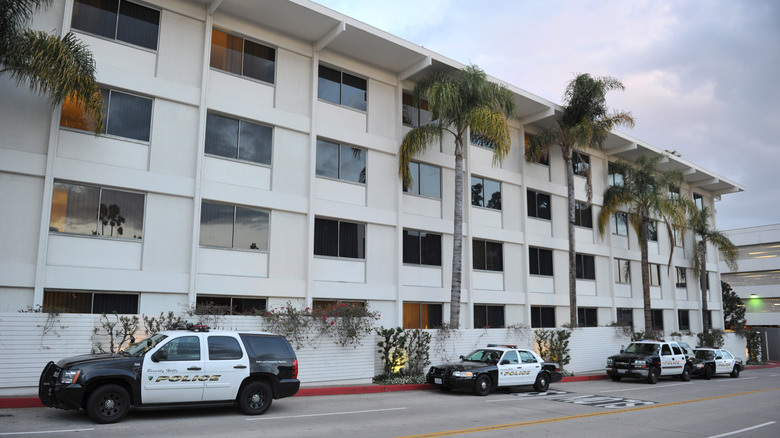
250	158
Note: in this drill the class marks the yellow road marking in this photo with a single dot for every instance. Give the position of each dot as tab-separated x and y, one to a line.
575	417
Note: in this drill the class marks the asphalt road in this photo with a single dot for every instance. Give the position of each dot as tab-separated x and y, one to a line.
748	406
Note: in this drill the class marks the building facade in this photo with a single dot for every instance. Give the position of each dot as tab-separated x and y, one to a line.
249	158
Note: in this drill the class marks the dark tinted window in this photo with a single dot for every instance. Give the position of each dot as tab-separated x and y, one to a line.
224	348
267	347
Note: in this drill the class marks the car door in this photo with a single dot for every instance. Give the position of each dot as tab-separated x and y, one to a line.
724	361
227	365
672	360
531	365
510	369
173	371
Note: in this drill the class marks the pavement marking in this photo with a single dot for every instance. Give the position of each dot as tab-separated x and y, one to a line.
575	417
642	388
741	378
743	430
325	414
40	432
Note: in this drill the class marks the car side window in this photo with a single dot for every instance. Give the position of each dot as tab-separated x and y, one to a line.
182	349
527	357
726	354
676	349
665	350
511	356
224	348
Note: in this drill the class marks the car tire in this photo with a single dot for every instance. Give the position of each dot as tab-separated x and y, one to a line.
108	404
542	382
686	374
255	398
616	378
482	385
652	375
735	372
708	372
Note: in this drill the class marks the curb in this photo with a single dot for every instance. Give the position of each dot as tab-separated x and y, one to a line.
34	402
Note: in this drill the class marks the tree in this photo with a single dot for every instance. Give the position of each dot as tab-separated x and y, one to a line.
733	308
647	194
59	68
703	234
585	123
458	101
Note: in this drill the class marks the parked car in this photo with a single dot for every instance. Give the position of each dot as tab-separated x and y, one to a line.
196	367
711	361
486	369
649	360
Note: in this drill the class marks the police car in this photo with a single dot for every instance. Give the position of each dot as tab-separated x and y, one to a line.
180	368
650	359
497	366
711	361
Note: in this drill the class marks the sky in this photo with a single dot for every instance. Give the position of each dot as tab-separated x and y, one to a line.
702	77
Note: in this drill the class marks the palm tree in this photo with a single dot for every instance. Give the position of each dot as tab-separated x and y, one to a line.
703	234
585	123
646	194
458	101
59	68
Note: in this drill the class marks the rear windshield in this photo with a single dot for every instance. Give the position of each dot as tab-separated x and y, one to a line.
267	347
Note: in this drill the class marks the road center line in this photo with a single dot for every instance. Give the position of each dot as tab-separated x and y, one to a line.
648	387
743	430
326	414
575	417
41	432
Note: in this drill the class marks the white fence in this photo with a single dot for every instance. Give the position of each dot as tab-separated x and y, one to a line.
30	340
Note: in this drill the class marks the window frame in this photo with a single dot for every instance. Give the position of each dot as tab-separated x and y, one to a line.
680	277
487	310
585	266
540	261
433	315
117	25
583	210
417	180
543	160
684	319
494	263
266	149
360	239
421	240
622	271
321	162
230	301
362	108
617	226
479	140
234	233
541	315
243	60
72	116
656	315
581	164
483	202
532	204
61	306
414	113
589	315
655	274
620	317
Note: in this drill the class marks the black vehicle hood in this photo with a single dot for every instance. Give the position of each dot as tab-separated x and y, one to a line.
464	365
630	356
95	359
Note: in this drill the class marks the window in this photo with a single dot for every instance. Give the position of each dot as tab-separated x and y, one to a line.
242	57
542	317
581	163
336	238
185	348
543	158
485	193
655	274
486	316
123	21
539	205
652	231
657	319
583	215
421	248
674	194
540	261
477	139
683	319
415	115
422	316
327	308
625	317
339	161
96	211
124	115
586	266
90	302
622	271
426	180
681	282
488	256
616	177
231	226
239	139
620	224
586	317
233	305
698	200
224	348
342	88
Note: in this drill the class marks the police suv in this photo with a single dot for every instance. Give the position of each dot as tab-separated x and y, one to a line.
649	360
179	368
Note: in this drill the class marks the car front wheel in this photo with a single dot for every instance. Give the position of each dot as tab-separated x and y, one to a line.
735	372
686	374
652	375
255	398
108	404
482	385
542	383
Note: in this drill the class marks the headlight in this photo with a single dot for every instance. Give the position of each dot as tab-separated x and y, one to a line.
609	362
462	374
639	364
69	376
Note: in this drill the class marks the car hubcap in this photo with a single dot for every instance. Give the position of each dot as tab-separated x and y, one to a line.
109	404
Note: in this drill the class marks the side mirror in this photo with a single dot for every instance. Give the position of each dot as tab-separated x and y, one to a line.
159	355
505	362
622	348
718	358
461	357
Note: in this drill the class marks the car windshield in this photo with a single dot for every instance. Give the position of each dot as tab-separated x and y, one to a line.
487	356
642	348
141	347
705	354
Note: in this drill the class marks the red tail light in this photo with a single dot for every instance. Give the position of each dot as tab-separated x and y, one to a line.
295	369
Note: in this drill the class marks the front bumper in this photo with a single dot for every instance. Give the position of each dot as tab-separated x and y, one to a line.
56	395
626	372
443	378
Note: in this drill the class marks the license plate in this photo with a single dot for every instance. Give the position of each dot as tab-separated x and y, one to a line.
621	371
437	380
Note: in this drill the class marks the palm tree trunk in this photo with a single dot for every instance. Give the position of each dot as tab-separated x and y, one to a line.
646	278
703	286
572	249
457	237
